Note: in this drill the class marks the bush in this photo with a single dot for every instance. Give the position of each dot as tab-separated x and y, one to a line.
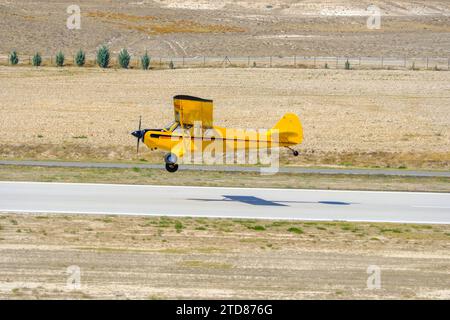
103	57
124	58
257	228
171	65
179	226
14	58
37	60
347	65
295	230
145	61
59	59
80	58
326	66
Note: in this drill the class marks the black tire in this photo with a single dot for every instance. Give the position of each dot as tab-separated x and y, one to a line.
295	152
171	167
170	158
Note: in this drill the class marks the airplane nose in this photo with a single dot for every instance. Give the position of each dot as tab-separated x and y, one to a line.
137	134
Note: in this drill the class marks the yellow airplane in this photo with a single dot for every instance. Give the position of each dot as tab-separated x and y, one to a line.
193	131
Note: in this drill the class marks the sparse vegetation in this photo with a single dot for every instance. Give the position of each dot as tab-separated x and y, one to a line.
178	226
204	264
37	59
347	65
13	58
59	59
145	61
124	59
106	220
80	58
171	65
103	57
131	241
295	230
257	228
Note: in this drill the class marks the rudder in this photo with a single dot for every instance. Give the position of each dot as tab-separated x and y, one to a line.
290	129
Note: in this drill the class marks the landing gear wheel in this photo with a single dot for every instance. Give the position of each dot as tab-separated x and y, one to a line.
171	167
295	153
170	158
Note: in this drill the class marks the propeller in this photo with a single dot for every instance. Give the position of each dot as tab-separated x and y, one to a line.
138	134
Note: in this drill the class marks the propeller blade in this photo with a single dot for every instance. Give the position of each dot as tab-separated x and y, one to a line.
138	140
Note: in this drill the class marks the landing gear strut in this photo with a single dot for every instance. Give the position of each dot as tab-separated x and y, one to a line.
171	160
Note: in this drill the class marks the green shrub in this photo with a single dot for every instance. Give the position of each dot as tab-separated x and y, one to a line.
37	60
347	65
80	58
257	228
124	58
59	59
103	57
326	66
171	65
14	58
145	61
295	230
178	226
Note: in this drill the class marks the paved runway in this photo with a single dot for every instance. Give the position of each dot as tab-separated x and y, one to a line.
300	204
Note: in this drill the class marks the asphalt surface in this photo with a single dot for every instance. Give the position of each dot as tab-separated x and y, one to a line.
234	168
402	207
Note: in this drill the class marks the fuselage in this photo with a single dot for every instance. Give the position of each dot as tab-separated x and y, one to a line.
222	139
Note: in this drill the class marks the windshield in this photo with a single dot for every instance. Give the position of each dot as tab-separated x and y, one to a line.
170	127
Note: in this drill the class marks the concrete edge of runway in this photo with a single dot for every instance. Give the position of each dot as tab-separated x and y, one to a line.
230	168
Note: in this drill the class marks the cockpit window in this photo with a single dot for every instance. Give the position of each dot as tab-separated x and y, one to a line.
172	126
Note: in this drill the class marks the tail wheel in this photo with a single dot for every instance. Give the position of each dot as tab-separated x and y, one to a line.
171	167
295	153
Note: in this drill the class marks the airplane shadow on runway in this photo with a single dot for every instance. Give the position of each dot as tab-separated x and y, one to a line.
262	202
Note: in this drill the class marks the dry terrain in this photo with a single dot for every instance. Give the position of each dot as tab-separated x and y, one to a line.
375	118
157	258
225	179
233	27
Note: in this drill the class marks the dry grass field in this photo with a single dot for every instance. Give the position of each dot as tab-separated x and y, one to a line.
161	257
374	118
233	27
225	179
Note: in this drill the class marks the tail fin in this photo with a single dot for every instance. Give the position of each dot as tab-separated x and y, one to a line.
290	129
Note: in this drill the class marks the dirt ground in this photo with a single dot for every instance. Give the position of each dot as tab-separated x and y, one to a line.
159	258
173	28
375	118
